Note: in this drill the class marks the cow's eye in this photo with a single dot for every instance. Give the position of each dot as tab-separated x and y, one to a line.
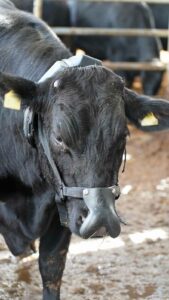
59	141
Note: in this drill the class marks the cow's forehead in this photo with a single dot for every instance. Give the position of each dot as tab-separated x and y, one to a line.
94	73
88	84
94	107
97	94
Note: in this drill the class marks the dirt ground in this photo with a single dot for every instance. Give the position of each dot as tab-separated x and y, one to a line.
133	266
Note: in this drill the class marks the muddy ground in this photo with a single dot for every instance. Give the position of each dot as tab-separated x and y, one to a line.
133	266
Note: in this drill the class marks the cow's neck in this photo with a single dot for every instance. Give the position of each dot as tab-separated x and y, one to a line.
30	60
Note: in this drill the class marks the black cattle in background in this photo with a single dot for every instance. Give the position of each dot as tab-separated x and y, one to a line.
161	17
136	49
82	114
108	15
54	12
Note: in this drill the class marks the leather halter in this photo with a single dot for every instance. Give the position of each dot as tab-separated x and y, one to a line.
62	190
65	191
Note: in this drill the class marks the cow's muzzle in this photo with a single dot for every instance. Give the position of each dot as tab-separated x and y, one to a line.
100	203
102	212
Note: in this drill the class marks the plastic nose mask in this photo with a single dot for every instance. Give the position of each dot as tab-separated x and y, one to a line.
102	212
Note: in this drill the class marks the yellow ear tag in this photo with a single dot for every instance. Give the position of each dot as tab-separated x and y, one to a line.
149	120
12	101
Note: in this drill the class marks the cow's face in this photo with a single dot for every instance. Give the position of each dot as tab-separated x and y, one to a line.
87	132
84	112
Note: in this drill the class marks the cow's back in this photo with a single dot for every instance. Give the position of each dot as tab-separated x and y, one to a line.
117	15
161	16
27	45
6	4
54	12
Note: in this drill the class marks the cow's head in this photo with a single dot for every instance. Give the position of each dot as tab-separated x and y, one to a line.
84	113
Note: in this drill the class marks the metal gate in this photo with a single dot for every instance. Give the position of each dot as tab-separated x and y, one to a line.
72	31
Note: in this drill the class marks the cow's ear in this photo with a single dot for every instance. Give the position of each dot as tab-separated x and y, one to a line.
146	113
16	92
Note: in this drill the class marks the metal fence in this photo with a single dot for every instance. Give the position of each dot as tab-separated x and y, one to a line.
72	31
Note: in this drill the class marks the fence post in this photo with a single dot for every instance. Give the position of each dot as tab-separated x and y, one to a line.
38	8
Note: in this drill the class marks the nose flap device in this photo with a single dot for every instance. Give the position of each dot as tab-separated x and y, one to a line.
102	212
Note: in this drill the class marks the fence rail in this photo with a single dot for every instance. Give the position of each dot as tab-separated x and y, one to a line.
142	66
127	1
110	31
135	66
38	8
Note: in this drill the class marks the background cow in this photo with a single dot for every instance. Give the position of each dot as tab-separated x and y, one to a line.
161	17
108	15
55	12
137	49
80	119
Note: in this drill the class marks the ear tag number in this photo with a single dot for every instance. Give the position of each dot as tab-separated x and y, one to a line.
12	101
149	120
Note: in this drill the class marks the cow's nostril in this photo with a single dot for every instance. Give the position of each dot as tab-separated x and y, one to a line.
84	213
82	217
80	220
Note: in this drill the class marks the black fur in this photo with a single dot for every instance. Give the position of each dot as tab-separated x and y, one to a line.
85	122
113	48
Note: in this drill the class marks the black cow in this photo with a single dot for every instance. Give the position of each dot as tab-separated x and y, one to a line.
63	132
54	12
108	15
136	49
161	17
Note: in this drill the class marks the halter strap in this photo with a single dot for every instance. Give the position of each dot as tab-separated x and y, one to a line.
28	128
